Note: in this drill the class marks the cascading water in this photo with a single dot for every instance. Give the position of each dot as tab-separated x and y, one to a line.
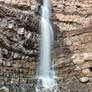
46	75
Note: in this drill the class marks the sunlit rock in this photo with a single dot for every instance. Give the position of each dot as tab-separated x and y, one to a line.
86	71
21	31
78	58
4	89
84	79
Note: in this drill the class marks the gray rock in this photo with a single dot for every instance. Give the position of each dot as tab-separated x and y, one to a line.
20	31
10	26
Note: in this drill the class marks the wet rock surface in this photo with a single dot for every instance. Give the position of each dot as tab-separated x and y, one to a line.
19	44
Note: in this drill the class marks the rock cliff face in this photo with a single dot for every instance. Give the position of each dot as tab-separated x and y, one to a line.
19	43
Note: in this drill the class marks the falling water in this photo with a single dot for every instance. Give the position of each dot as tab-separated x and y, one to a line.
46	76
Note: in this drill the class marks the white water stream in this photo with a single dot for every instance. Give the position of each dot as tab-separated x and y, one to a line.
46	77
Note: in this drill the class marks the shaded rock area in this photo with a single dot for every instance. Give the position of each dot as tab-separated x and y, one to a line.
19	44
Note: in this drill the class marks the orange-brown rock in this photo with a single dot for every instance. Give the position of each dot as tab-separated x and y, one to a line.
17	2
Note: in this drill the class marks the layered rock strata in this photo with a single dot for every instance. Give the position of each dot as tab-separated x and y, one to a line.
19	43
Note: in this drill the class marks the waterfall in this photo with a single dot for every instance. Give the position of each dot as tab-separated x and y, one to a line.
46	76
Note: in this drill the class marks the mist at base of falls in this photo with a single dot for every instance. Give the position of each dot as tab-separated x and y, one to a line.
46	74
